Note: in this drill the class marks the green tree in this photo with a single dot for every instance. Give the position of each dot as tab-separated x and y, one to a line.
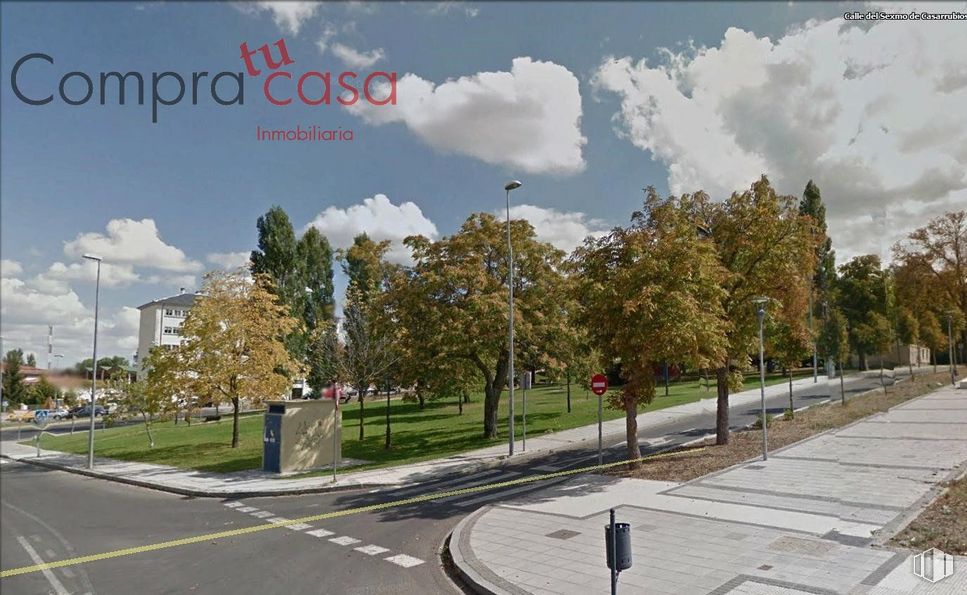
140	398
932	335
908	331
862	296
825	275
767	248
14	389
836	339
652	293
315	256
460	290
277	257
31	360
44	393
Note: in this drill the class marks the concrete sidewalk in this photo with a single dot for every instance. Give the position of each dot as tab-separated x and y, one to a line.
257	483
811	519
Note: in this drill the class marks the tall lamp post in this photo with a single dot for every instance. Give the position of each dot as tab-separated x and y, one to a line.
950	348
97	296
761	313
512	185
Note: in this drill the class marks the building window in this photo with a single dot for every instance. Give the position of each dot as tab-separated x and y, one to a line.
172	330
169	312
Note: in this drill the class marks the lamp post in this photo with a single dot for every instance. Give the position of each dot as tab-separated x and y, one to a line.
761	313
97	295
512	185
950	348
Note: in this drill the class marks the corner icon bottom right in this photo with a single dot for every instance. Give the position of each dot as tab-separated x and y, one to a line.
933	565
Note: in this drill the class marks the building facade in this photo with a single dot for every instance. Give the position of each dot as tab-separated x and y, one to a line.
161	322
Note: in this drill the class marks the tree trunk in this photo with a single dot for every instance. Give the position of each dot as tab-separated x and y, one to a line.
568	392
147	429
722	406
792	409
466	396
460	399
361	399
234	422
491	400
388	440
862	358
631	432
933	359
708	385
420	399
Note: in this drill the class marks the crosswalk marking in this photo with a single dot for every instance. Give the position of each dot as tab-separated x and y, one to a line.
263	514
372	550
404	560
424	488
298	526
278	520
473	483
233	504
247	509
319	533
494	496
344	540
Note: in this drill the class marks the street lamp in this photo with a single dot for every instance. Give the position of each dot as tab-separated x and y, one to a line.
512	185
761	313
950	348
97	295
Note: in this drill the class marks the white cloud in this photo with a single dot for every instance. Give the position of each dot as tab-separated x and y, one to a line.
379	218
873	114
10	268
328	32
112	275
445	8
355	58
565	231
288	15
528	119
229	260
130	242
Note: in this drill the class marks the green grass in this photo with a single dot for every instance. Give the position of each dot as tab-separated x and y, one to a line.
436	431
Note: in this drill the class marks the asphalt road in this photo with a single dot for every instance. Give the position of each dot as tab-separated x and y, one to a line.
51	515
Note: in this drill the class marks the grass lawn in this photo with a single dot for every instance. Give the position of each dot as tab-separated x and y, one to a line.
436	431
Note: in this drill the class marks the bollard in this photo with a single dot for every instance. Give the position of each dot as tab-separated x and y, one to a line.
617	538
37	440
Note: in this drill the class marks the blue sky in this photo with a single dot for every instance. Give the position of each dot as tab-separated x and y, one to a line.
711	111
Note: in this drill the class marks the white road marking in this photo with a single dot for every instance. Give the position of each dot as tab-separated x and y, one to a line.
319	533
247	509
496	495
404	560
298	526
233	504
54	582
50	553
372	550
470	484
423	489
263	514
344	540
278	520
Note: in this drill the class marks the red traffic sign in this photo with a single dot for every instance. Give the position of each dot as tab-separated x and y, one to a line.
599	384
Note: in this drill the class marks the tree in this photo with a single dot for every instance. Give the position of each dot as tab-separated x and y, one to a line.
908	331
315	257
277	257
31	360
651	293
233	342
932	335
768	249
44	393
836	339
789	342
940	249
862	297
460	290
141	397
825	275
14	389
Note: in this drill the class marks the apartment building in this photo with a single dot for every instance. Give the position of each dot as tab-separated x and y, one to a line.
161	322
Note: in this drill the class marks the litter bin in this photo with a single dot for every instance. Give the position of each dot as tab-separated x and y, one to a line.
623	542
299	436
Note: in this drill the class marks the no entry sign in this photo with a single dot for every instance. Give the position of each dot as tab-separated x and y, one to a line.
599	384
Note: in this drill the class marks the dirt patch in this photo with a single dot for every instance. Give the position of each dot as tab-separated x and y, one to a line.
746	445
942	525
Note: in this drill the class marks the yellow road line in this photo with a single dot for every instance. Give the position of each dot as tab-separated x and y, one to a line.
308	519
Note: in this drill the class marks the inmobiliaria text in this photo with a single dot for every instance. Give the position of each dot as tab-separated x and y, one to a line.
280	85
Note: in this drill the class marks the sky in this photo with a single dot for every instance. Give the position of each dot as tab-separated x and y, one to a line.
586	104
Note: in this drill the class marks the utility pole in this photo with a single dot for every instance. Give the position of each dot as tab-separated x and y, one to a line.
512	185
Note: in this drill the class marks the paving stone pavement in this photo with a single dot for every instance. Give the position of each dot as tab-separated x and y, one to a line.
808	520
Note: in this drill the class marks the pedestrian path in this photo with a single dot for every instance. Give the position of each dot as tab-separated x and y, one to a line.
257	483
813	518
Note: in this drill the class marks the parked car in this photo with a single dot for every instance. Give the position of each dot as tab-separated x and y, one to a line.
85	411
59	413
41	414
23	415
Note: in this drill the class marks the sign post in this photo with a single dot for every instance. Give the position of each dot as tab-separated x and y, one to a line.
599	386
525	384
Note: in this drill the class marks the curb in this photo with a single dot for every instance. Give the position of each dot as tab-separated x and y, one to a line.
465	563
